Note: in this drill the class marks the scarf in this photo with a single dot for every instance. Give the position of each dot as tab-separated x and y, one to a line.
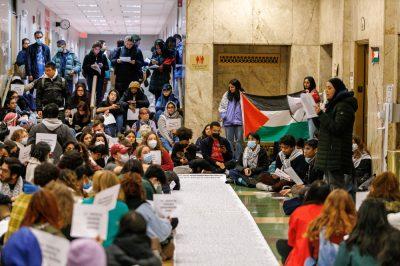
18	189
364	156
286	161
250	157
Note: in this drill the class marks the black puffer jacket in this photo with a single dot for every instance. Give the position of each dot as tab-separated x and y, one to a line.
124	71
51	91
335	134
89	60
140	98
131	250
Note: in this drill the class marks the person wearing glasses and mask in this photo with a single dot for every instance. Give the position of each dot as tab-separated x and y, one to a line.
37	55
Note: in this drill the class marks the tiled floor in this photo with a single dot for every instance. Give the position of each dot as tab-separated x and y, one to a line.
267	212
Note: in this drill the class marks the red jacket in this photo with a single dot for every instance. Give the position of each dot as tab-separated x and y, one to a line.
166	162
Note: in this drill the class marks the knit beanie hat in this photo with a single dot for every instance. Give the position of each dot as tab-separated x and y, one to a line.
86	252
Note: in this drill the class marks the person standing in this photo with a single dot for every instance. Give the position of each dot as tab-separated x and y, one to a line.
37	55
67	64
178	73
21	58
230	112
310	87
127	65
95	64
335	126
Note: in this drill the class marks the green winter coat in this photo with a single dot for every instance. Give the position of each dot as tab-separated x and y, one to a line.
336	133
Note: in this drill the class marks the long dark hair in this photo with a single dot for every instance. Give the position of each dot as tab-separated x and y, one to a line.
312	83
371	229
75	99
108	96
82	118
203	133
236	95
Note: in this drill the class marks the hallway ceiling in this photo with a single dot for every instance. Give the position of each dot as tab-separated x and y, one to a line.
113	16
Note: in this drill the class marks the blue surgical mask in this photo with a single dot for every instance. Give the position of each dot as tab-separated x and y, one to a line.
87	185
60	50
147	158
39	41
251	144
124	158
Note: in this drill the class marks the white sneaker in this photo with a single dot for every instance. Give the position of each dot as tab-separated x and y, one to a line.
264	187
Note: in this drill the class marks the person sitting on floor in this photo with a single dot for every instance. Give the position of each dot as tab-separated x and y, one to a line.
288	157
251	163
216	151
168	136
362	162
183	151
386	188
292	249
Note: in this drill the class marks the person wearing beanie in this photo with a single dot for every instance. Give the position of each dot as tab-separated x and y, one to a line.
335	125
166	96
133	99
86	252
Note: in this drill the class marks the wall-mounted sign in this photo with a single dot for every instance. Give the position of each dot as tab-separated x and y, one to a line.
199	62
248	59
374	55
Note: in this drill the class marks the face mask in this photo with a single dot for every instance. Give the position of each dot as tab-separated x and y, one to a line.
152	143
124	158
97	143
147	158
158	189
39	41
308	160
87	185
60	50
251	144
215	135
355	147
24	141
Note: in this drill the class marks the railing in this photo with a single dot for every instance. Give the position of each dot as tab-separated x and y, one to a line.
93	97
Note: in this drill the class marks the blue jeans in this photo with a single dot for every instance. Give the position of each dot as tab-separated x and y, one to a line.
114	129
166	143
234	134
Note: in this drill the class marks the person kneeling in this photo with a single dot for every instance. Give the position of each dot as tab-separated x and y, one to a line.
252	162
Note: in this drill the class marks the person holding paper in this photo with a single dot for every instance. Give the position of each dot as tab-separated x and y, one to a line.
132	246
310	87
80	94
132	100
162	63
52	125
95	64
335	126
154	143
167	96
288	157
101	181
111	106
17	104
167	135
251	163
82	117
129	135
144	121
127	62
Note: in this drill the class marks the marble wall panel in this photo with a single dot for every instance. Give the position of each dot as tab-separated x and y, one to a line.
272	22
232	21
305	22
200	21
303	62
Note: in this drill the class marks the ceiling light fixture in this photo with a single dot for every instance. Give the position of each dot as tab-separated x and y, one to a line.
134	6
87	5
131	11
91	11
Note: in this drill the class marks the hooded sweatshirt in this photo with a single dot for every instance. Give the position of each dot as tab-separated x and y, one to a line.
162	122
53	126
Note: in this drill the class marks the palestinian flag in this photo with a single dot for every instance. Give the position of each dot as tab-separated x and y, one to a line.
272	117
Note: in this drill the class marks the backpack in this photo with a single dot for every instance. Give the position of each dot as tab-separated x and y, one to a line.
327	252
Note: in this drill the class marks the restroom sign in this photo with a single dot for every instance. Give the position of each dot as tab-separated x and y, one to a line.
199	62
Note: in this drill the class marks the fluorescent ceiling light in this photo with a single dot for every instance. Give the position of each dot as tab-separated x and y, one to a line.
87	5
91	11
131	11
96	16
